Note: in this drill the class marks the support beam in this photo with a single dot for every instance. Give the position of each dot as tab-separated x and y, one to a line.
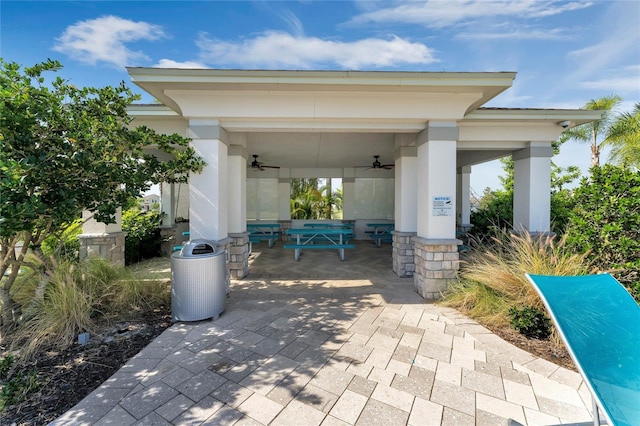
532	188
237	204
436	171
208	197
463	198
435	246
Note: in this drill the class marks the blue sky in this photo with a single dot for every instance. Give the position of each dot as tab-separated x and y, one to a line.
565	52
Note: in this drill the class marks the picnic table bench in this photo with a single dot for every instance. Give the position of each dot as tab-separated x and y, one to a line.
263	232
381	232
179	247
319	239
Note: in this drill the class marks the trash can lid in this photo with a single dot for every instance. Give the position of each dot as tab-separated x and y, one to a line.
197	247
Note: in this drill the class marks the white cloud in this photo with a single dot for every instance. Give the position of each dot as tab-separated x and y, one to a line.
104	40
440	14
293	22
275	49
168	63
521	33
626	83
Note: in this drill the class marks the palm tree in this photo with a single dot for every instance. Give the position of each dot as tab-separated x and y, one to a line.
624	138
594	132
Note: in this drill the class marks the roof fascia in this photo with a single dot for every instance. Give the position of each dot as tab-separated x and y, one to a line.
338	78
151	110
576	116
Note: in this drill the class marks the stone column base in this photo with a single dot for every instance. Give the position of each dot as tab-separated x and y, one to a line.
403	259
238	252
171	236
109	246
284	225
436	263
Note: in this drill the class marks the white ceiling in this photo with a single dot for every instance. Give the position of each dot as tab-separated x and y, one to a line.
320	150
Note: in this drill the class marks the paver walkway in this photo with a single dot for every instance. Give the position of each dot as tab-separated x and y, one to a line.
325	342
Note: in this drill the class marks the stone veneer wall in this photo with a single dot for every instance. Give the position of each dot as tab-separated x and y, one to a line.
171	236
403	259
238	255
284	225
436	262
108	246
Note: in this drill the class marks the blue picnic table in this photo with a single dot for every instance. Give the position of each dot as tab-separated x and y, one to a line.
318	238
263	232
381	232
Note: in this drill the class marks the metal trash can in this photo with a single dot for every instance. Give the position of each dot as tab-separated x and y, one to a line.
199	282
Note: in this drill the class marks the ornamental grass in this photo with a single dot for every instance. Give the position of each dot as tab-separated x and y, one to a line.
492	279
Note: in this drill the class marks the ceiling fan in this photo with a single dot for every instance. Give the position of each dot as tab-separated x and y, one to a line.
377	165
258	165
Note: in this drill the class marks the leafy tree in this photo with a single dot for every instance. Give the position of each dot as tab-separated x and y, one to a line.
143	235
594	132
65	150
605	222
495	208
624	138
310	200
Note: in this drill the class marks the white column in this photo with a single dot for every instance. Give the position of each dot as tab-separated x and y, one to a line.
284	194
348	194
208	195
168	203
91	226
237	188
463	197
532	188
406	189
436	171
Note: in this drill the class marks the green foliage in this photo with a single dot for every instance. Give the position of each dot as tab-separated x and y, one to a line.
80	295
65	150
494	213
143	235
478	301
495	208
624	139
67	245
309	200
15	384
594	132
492	279
6	363
605	222
530	322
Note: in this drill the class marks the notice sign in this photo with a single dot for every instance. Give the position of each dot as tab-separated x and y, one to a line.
442	206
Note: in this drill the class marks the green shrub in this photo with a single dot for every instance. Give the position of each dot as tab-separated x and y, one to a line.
494	213
530	322
67	245
605	223
143	235
15	384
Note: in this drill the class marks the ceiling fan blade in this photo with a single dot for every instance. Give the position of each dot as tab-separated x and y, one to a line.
259	165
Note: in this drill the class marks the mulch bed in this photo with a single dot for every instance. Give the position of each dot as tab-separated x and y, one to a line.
545	349
65	377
